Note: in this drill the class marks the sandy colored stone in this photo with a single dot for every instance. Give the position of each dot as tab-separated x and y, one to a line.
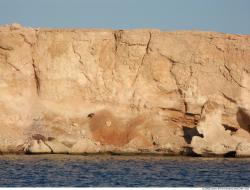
37	147
216	140
243	150
122	88
241	135
67	140
57	147
85	146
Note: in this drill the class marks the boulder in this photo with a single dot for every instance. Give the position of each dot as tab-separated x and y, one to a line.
243	138
85	146
57	147
243	150
37	147
216	140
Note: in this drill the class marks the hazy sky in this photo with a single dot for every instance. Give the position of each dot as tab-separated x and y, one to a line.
231	16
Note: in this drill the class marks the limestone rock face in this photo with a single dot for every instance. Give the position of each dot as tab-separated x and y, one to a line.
138	90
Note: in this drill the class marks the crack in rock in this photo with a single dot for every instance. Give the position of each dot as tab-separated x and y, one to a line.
48	147
6	47
143	58
232	77
117	36
11	65
80	61
37	79
132	44
228	98
173	63
26	40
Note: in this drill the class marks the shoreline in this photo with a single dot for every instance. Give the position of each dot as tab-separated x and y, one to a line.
129	154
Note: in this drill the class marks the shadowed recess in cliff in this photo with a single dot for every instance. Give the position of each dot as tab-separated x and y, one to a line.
189	133
243	118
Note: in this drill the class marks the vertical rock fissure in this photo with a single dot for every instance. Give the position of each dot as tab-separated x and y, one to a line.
117	36
143	58
37	79
173	62
35	69
80	61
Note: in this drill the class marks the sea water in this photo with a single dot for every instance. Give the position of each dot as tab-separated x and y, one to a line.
121	171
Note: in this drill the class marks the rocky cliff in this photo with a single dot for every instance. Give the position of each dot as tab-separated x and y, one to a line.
126	91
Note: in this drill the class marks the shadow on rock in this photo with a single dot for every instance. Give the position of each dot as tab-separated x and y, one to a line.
243	118
189	133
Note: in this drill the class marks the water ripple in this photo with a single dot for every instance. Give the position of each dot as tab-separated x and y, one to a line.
121	171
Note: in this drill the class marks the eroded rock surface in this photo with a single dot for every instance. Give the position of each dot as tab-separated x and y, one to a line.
215	140
138	91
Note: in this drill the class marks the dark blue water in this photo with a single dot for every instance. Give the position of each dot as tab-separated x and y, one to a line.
121	171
